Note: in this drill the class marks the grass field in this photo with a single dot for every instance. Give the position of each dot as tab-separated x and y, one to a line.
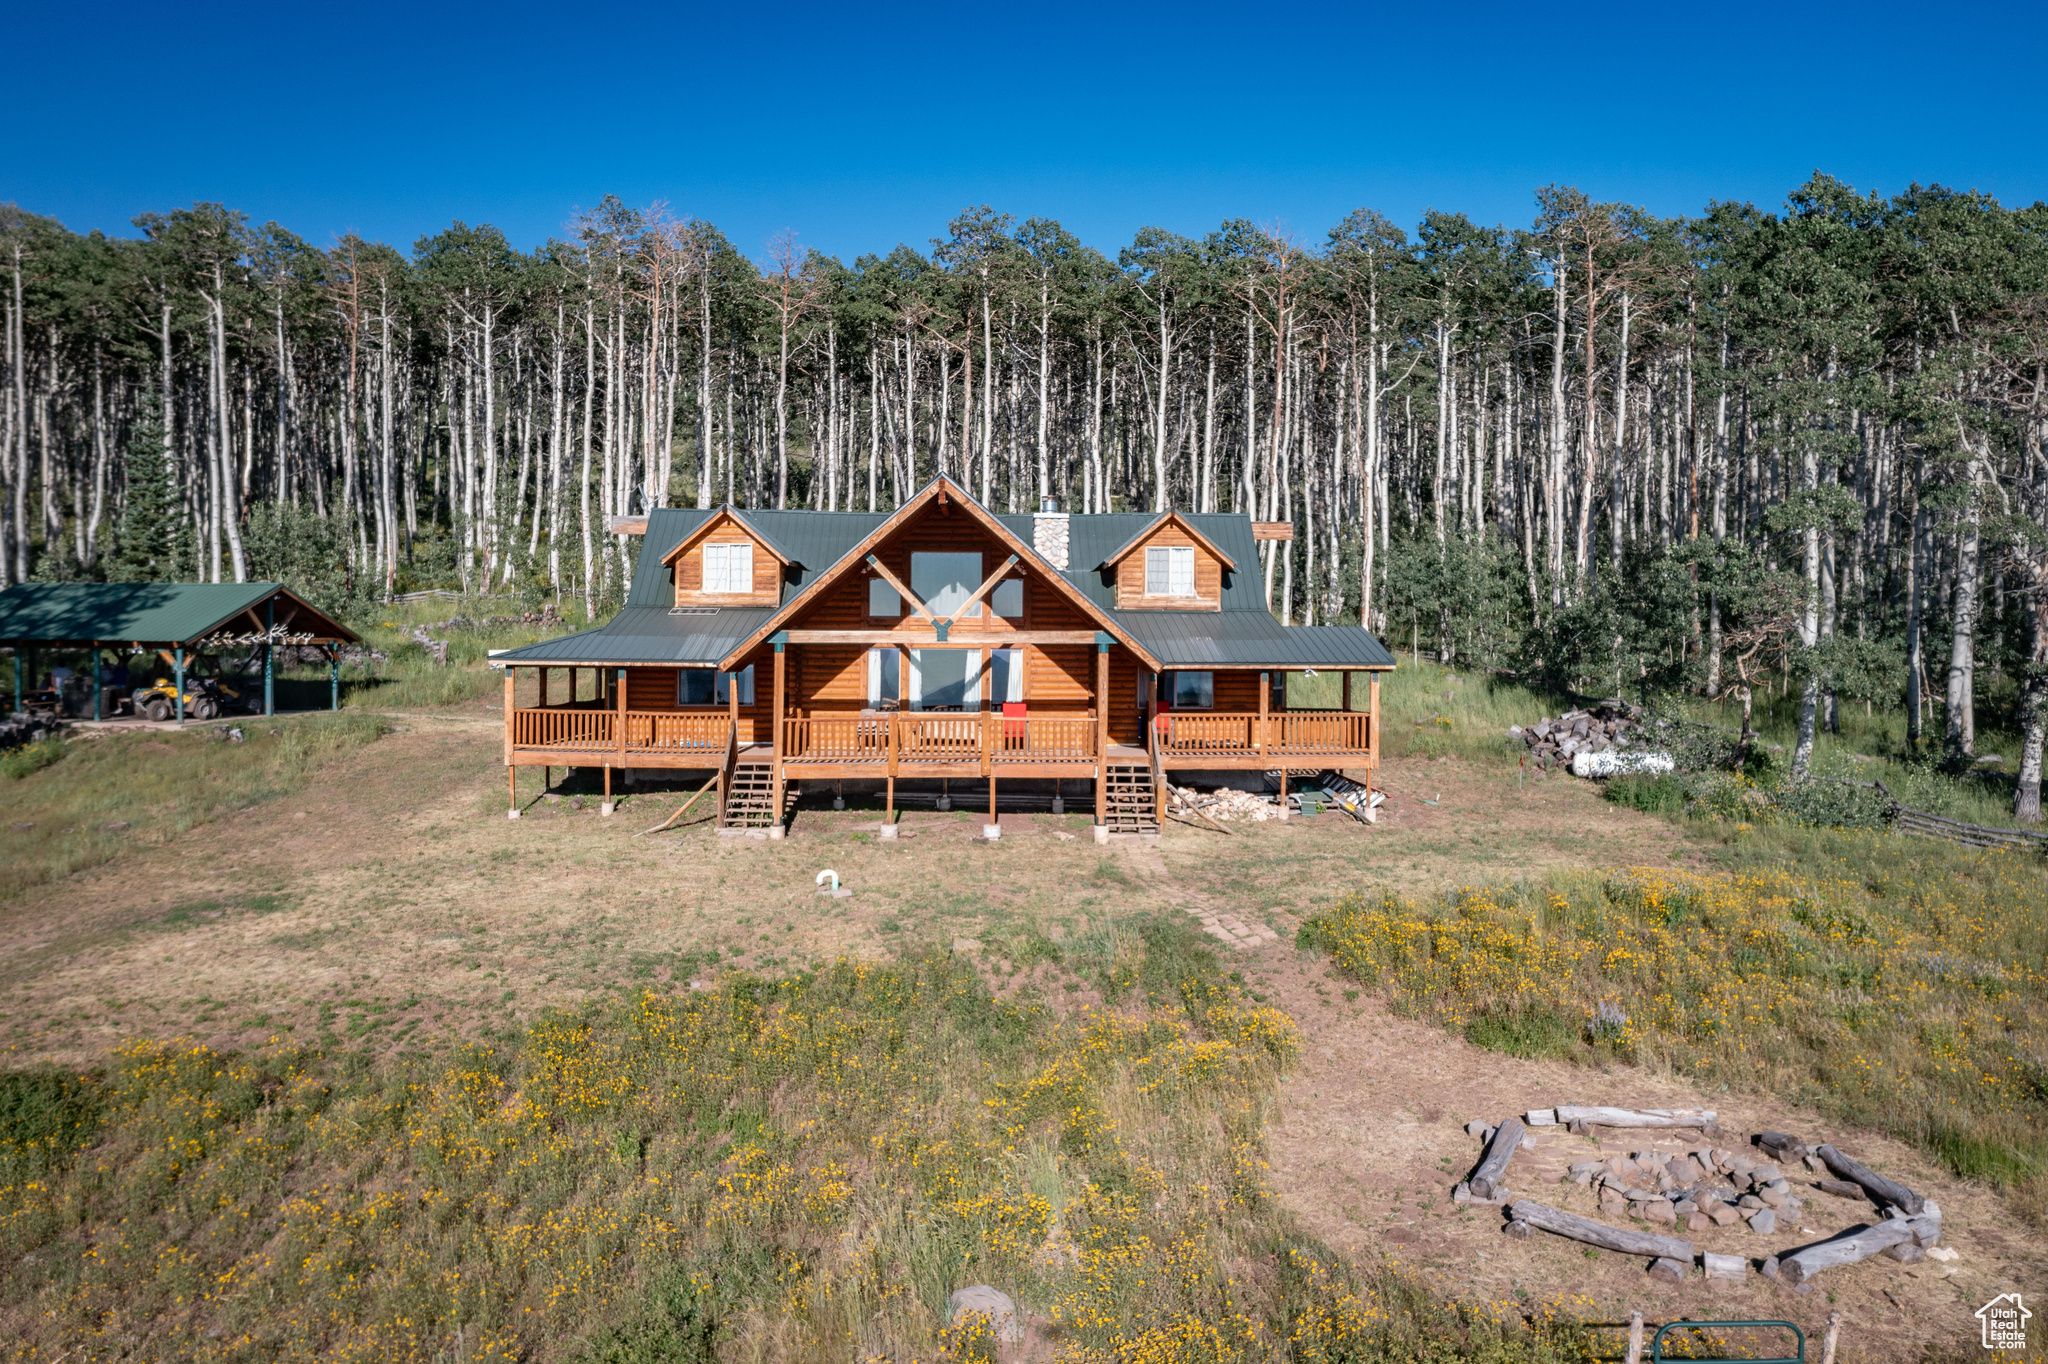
802	1167
96	797
331	1060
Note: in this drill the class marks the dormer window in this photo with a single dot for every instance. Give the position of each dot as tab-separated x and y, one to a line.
728	569
1170	571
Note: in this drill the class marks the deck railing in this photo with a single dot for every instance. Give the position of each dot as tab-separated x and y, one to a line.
1187	732
921	737
564	729
1328	731
1042	738
1291	733
672	732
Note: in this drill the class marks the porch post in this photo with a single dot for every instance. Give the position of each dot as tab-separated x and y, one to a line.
781	640
621	720
269	673
17	679
1102	642
1265	697
509	713
178	680
1372	733
333	677
96	707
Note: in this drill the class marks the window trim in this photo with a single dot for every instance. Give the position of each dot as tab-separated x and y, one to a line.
725	548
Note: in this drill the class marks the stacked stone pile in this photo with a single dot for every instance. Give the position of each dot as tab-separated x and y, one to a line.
1607	726
22	728
1707	1186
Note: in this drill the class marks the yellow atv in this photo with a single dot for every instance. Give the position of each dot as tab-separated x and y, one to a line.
204	699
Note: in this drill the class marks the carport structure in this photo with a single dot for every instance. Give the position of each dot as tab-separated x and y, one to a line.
174	620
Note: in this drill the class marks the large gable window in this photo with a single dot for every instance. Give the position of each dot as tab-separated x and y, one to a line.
1170	571
943	581
728	569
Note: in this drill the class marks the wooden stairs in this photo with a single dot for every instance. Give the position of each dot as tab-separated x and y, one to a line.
749	799
1130	800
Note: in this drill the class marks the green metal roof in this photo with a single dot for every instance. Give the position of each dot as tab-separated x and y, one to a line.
58	614
812	541
1250	639
691	637
1243	634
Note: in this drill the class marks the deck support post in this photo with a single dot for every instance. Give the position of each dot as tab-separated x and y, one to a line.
17	652
1283	792
511	789
781	640
96	688
178	678
620	708
1102	643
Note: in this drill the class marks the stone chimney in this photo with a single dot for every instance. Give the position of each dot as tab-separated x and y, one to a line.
1049	533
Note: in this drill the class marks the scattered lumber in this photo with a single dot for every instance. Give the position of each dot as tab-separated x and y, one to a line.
681	810
1560	1223
1493	1167
1634	1117
1925	825
1876	1185
1185	804
1846	1249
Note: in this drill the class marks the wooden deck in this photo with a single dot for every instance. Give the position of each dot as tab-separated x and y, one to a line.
914	744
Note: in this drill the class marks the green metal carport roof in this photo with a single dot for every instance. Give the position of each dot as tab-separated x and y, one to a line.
79	615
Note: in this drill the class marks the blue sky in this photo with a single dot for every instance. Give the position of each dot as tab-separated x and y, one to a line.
862	127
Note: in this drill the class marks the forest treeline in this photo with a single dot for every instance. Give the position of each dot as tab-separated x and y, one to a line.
1797	448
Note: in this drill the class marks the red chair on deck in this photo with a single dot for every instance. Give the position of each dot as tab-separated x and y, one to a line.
1013	720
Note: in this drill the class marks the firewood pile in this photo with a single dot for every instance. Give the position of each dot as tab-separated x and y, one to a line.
1609	725
1704	1188
1227	804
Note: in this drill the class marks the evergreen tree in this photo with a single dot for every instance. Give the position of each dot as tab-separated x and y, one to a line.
152	523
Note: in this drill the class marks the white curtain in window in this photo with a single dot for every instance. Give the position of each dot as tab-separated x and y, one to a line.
1006	675
883	668
728	568
1170	571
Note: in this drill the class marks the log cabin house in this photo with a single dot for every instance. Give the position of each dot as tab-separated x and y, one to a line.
942	643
